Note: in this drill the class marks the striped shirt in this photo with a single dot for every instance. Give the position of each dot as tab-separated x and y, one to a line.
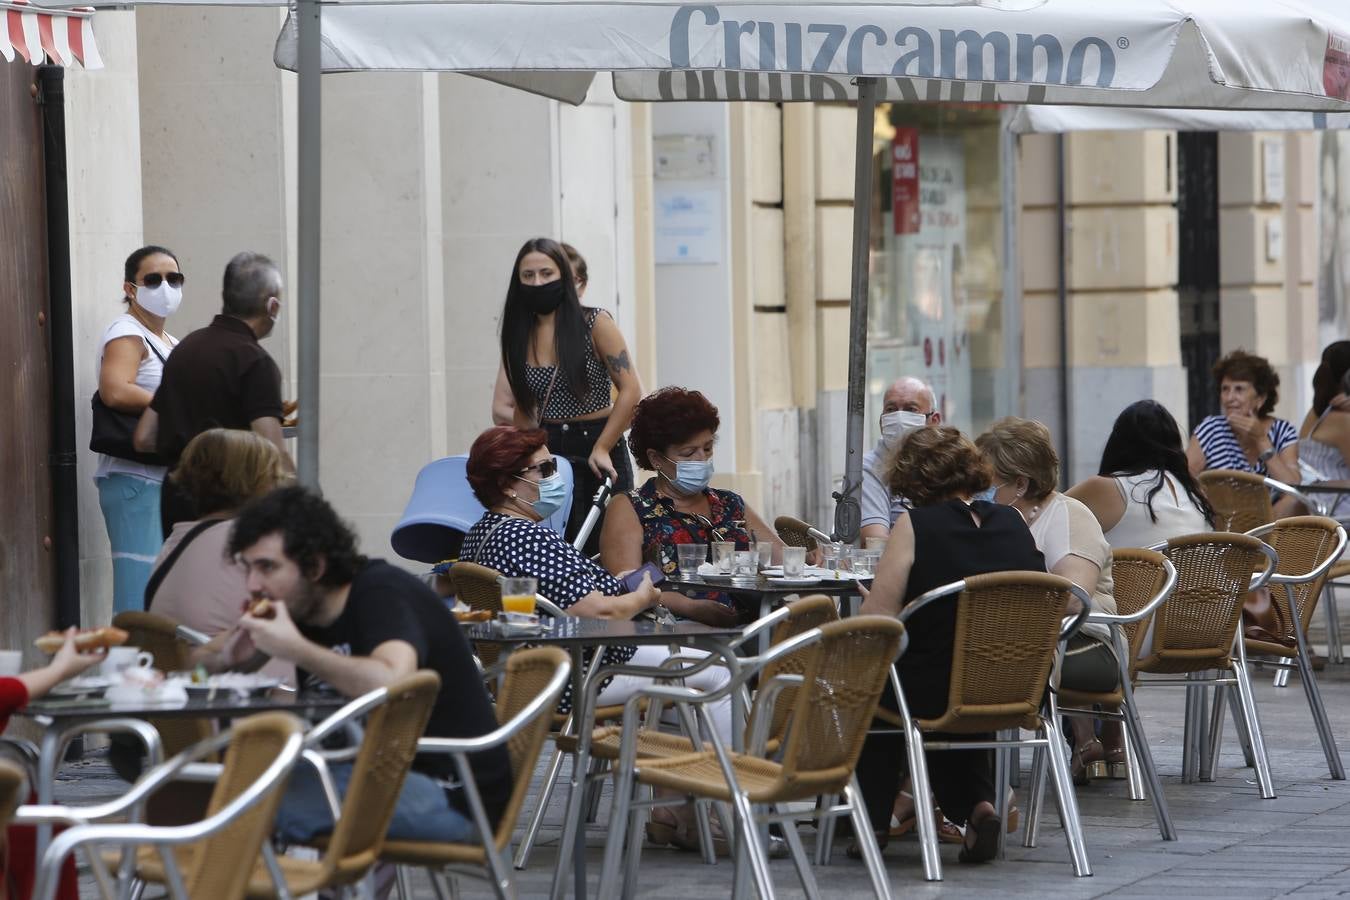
1222	450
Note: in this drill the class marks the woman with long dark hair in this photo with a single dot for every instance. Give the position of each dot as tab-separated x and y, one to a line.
569	372
1324	438
1144	493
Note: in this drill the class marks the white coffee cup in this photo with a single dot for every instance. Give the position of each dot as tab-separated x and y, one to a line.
11	662
120	658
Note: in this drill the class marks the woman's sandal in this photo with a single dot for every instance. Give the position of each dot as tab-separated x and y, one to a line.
985	845
1087	761
1114	764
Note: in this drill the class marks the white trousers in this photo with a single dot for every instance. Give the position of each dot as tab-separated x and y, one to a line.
621	687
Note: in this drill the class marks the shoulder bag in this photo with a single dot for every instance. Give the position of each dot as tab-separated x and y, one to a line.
112	429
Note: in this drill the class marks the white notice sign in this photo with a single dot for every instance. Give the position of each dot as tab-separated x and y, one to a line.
688	225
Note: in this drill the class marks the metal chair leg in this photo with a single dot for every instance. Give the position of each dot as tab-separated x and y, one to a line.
1211	755
1240	726
1035	798
1319	712
706	844
1281	678
633	858
537	818
1137	752
621	803
750	846
1189	764
1259	757
881	885
1065	798
923	805
1134	774
800	861
1335	650
825	831
1001	765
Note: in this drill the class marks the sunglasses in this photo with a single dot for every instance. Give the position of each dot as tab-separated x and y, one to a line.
154	279
546	468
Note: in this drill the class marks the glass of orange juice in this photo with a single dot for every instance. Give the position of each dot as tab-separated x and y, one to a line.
518	595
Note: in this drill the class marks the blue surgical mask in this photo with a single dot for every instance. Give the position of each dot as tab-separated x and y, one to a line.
552	494
691	475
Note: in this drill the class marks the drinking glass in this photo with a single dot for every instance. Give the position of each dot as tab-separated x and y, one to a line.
744	562
829	555
722	551
518	595
765	551
794	561
865	562
691	556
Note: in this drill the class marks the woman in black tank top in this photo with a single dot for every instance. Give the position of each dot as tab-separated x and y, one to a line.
945	537
569	373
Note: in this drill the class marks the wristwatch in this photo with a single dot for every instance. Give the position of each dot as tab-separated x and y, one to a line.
1265	455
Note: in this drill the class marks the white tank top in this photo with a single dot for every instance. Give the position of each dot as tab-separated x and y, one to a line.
1175	512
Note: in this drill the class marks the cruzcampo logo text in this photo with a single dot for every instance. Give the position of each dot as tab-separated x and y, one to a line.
919	53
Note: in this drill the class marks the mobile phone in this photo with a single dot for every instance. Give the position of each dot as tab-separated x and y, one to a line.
633	580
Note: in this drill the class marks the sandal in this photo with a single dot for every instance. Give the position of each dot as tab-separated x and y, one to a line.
1116	766
1087	761
985	846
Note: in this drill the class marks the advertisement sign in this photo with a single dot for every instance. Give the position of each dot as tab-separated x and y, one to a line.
905	180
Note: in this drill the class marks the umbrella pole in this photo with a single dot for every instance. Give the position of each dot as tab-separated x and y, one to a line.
848	511
309	155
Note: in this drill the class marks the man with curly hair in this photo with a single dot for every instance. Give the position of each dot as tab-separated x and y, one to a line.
355	624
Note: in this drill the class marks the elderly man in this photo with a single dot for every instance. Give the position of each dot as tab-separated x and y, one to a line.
220	377
907	405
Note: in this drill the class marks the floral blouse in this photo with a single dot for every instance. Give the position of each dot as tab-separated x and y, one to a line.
663	526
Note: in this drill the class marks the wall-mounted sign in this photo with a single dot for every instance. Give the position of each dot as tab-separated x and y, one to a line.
905	180
683	156
688	225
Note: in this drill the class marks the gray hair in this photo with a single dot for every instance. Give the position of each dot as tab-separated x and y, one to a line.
250	279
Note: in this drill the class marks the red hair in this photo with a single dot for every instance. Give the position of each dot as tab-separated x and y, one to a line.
497	454
667	417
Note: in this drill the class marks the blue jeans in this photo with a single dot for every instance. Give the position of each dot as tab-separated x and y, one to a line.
423	813
131	512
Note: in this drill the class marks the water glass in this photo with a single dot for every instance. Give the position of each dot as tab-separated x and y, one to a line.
744	562
794	561
691	556
865	562
829	555
765	551
722	551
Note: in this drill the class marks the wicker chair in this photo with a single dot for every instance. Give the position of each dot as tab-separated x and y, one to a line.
211	858
534	681
157	635
796	533
1009	627
1143	580
1196	632
1242	502
397	717
1308	548
839	689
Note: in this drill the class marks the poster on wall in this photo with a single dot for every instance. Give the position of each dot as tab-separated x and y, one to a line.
688	225
905	180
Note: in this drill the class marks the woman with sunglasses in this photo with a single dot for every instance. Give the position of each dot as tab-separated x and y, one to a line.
131	362
674	433
569	373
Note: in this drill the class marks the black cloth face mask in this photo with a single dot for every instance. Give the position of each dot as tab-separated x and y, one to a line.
542	299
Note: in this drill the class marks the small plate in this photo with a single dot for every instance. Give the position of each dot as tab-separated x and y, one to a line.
84	686
254	687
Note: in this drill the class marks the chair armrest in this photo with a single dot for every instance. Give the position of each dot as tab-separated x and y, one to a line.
546	700
342	717
1316	573
762	715
546	605
754	628
1289	490
1169	584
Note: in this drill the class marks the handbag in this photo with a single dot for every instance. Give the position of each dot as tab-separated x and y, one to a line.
112	430
1263	620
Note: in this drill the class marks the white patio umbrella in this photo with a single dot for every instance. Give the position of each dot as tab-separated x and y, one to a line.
1205	54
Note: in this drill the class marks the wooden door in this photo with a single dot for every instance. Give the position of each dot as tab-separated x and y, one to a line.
26	573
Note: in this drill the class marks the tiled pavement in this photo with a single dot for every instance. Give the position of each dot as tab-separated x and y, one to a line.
1232	843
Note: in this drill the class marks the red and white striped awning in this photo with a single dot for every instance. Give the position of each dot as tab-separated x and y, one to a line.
64	37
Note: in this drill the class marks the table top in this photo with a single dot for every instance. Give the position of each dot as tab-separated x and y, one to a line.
577	631
222	706
760	586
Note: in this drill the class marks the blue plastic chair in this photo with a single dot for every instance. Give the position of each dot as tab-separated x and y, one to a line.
442	509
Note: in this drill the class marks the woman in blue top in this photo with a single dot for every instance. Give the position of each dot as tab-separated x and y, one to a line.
1245	436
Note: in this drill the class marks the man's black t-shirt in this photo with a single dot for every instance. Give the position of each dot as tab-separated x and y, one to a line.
388	604
217	377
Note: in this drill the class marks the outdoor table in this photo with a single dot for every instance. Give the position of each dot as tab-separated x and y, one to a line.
576	635
57	717
1339	490
770	593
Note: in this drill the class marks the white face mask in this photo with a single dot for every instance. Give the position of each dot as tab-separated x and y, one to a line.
162	300
896	426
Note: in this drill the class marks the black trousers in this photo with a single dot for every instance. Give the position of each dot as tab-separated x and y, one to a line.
961	779
576	440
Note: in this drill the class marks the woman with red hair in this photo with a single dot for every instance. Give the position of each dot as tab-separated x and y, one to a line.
673	434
